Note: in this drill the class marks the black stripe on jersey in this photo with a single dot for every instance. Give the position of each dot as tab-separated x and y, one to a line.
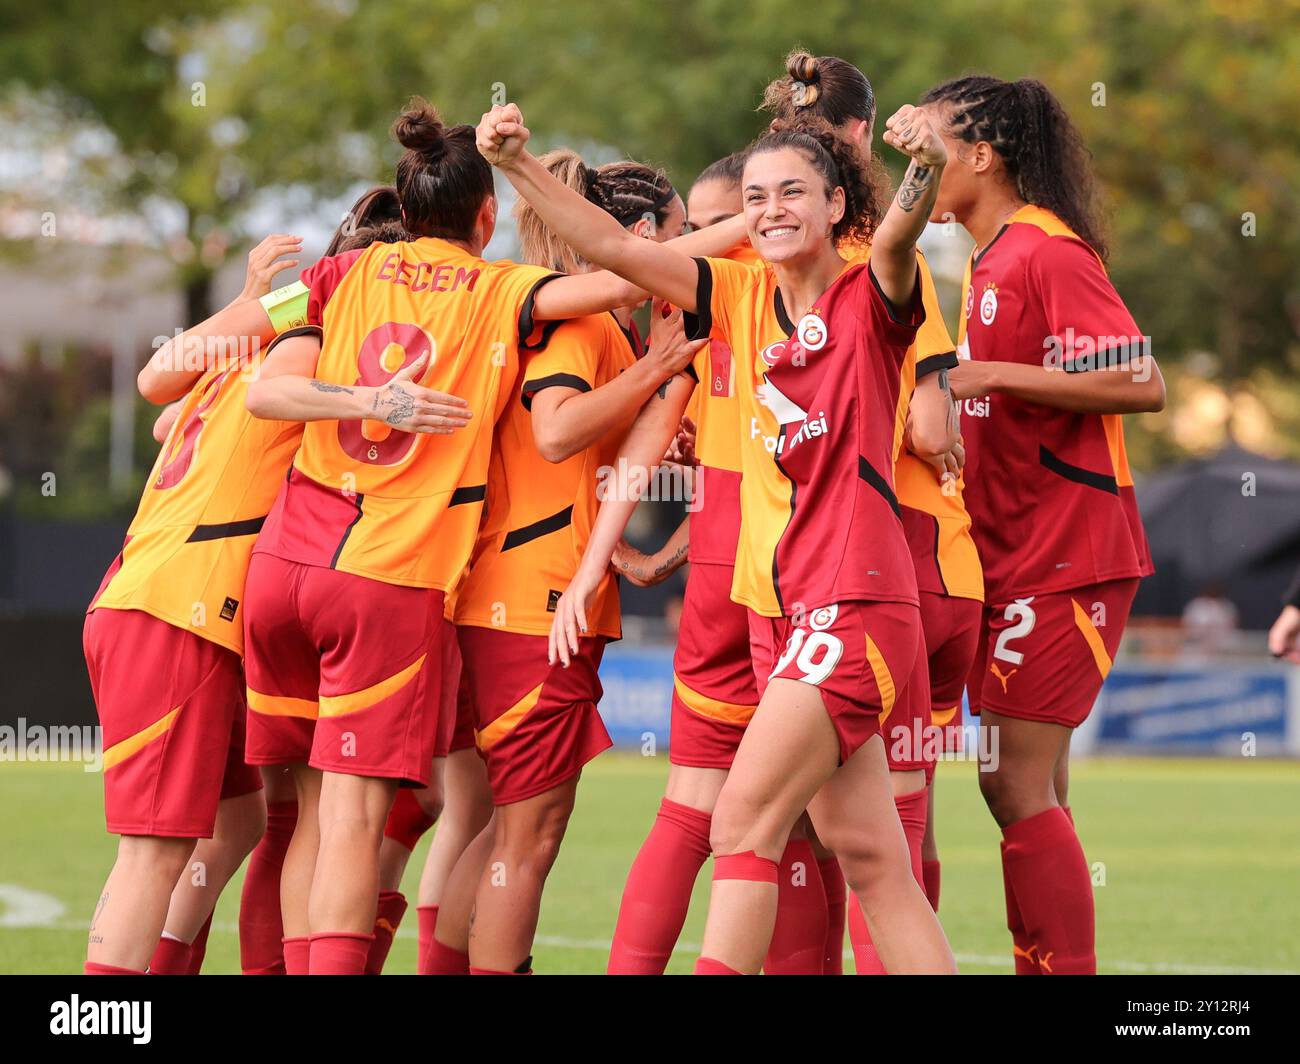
251	527
526	323
934	363
1105	358
357	500
938	569
794	491
1086	477
996	237
300	330
461	496
537	529
555	380
700	324
782	318
868	473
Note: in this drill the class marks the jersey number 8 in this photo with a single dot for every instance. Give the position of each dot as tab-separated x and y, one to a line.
386	351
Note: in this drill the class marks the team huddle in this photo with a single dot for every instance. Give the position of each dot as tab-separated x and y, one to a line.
375	566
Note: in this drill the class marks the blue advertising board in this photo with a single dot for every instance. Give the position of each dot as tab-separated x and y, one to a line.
1175	708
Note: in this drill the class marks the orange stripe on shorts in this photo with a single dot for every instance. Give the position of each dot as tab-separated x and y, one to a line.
119	752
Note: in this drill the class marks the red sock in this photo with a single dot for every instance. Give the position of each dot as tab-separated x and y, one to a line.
443	960
747	865
705	966
297	956
524	969
339	953
835	890
912	814
407	820
428	917
799	937
658	890
930	880
170	957
388	917
1044	866
260	926
199	947
91	968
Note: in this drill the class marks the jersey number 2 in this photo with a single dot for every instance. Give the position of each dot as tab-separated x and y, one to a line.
1023	614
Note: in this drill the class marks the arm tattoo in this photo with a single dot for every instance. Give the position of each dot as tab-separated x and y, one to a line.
915	183
325	386
398	403
667	566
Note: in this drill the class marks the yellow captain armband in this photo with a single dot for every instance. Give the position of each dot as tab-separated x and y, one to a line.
286	307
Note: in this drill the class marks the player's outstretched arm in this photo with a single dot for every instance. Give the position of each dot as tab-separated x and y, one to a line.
566	421
287	390
620	490
893	247
1135	389
238	327
657	268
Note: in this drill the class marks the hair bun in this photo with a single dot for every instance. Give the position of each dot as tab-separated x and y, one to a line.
419	128
805	76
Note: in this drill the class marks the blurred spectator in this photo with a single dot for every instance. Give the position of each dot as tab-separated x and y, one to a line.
1284	636
1209	622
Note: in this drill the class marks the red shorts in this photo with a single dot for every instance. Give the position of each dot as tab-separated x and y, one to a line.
1044	657
714	691
448	693
343	671
860	655
952	630
905	726
537	724
171	705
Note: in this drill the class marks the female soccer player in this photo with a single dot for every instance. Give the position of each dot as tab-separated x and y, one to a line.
537	725
1052	359
934	518
822	554
714	690
163	646
377	518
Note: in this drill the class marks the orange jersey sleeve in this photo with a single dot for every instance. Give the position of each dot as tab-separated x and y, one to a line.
540	514
375	501
212	485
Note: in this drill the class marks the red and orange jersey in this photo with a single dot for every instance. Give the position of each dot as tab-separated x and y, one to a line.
1049	490
214	481
540	514
715	409
819	403
368	499
934	514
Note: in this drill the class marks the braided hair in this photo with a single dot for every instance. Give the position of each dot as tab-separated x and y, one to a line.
1040	147
626	191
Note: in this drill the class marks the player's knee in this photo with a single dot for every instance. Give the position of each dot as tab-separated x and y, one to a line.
533	841
739	824
430	800
155	858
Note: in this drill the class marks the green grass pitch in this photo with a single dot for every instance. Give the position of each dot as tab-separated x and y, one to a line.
1200	862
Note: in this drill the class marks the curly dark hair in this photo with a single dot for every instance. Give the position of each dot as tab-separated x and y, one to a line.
1040	147
841	165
